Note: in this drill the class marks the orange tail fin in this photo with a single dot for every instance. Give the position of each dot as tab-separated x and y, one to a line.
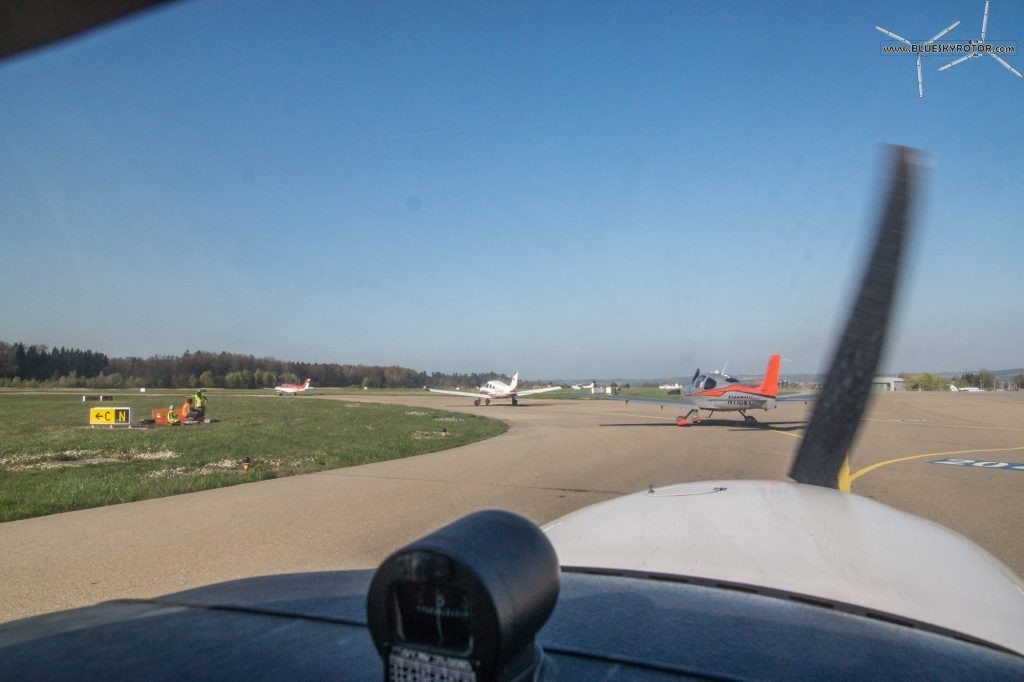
770	383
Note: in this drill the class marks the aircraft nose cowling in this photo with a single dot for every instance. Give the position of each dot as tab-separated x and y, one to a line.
805	540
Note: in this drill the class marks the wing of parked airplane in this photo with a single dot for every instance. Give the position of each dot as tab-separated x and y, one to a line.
682	401
535	391
464	394
685	401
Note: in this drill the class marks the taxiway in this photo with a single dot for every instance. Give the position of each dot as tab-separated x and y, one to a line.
557	456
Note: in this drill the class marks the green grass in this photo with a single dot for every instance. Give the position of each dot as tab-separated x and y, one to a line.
52	461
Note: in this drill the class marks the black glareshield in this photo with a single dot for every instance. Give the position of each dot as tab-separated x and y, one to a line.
466	600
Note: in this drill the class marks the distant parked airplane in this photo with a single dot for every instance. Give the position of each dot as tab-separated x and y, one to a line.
293	389
496	390
966	389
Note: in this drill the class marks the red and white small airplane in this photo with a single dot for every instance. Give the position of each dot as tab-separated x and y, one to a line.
293	389
496	390
719	392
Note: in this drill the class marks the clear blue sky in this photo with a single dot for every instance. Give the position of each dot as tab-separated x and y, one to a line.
568	189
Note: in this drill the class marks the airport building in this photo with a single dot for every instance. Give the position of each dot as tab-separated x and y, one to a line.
888	384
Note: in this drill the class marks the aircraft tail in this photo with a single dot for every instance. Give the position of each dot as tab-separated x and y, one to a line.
770	383
306	385
515	380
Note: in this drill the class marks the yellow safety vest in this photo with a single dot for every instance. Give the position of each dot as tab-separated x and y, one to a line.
171	419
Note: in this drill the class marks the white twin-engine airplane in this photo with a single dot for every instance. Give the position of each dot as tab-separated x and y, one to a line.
293	389
496	390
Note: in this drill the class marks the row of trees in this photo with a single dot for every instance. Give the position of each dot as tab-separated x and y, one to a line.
981	379
37	365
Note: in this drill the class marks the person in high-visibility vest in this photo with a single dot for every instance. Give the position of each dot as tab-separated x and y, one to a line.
171	419
188	411
199	401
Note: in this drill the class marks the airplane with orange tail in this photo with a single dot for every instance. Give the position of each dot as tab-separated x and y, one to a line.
719	392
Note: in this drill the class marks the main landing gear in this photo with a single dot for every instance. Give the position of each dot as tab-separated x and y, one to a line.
514	402
749	419
487	401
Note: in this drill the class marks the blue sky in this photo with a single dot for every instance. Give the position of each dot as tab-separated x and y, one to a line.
568	189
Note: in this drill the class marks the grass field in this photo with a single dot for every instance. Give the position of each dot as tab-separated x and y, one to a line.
52	461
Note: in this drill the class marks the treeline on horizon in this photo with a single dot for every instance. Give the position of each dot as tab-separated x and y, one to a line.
983	379
36	365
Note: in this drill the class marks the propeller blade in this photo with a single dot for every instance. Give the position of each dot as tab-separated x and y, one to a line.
695	375
920	81
844	396
1003	62
27	26
948	29
984	22
955	62
893	35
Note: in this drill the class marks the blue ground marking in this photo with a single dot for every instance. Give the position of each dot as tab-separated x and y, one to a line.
980	463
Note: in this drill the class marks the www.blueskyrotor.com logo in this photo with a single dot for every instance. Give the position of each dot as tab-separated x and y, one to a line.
966	50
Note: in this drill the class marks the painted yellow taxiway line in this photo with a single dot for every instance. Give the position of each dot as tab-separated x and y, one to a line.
846	478
868	469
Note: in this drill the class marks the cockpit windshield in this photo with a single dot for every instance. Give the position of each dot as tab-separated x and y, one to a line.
206	204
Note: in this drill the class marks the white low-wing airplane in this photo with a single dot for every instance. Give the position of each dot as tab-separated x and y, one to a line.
496	390
293	389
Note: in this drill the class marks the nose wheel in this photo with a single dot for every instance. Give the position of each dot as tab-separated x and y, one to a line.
476	402
691	417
